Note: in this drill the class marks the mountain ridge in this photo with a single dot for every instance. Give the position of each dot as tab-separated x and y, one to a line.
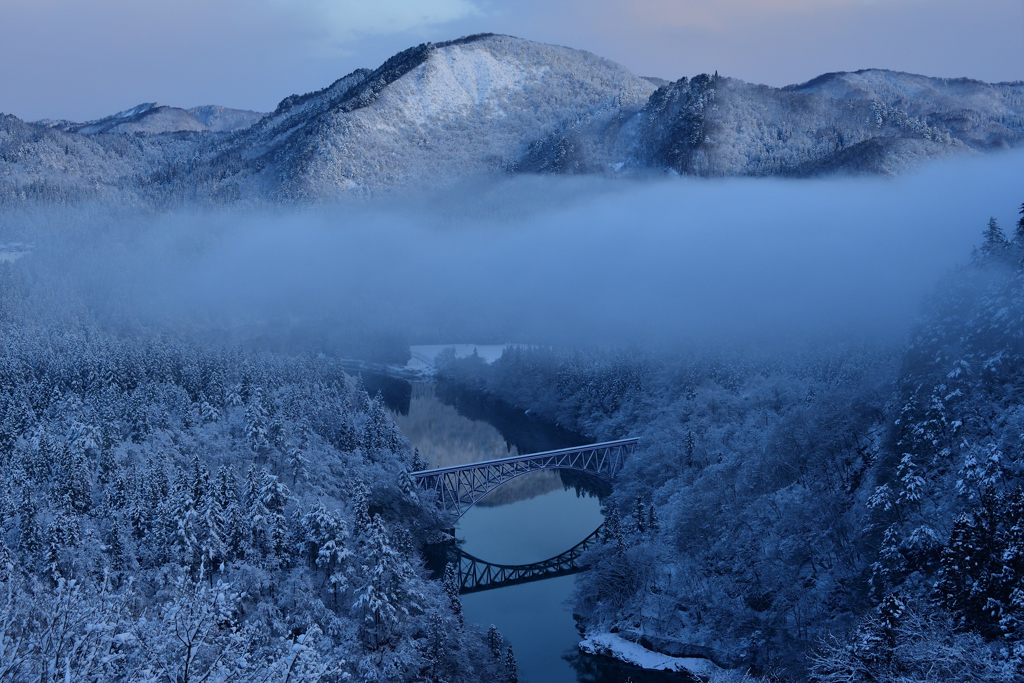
484	104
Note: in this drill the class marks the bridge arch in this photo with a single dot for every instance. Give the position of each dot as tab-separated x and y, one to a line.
460	487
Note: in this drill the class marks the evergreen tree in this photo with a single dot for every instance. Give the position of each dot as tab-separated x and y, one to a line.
612	530
418	465
995	240
257	432
265	500
360	511
297	464
652	520
494	641
385	596
639	514
451	589
181	539
511	675
1018	235
30	537
116	550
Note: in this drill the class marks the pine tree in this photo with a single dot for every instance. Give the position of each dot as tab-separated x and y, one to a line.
967	570
322	537
612	530
377	429
256	428
265	500
8	438
639	514
30	538
511	675
385	596
451	589
436	646
652	519
184	518
298	465
418	465
360	511
1018	236
115	548
494	641
225	500
63	533
995	240
407	485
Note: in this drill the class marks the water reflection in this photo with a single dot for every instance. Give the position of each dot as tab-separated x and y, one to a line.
535	617
445	436
476	574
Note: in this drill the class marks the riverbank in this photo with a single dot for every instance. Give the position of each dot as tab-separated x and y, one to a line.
617	647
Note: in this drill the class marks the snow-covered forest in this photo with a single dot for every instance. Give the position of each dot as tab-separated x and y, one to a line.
175	511
834	511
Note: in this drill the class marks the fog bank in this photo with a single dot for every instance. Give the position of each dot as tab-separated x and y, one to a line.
553	260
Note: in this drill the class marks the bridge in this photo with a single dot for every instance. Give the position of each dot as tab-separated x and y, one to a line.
476	575
460	487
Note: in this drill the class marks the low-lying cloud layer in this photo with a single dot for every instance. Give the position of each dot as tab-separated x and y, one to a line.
555	260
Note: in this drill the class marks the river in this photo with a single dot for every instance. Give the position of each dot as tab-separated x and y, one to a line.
529	519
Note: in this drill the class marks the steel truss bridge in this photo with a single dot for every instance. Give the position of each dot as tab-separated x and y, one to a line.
476	575
460	487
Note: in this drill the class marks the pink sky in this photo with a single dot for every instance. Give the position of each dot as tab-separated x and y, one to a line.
82	59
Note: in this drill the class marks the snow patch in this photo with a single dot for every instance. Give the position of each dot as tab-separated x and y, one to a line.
14	251
425	355
459	80
611	645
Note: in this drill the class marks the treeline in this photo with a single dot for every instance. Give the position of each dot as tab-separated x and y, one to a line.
839	513
173	511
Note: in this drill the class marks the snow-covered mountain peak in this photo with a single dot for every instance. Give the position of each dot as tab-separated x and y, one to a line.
134	111
436	113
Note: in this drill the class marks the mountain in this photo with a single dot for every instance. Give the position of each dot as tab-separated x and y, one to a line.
437	113
154	118
218	119
433	114
864	122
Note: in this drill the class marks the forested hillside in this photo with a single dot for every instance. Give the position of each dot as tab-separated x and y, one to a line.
176	511
834	512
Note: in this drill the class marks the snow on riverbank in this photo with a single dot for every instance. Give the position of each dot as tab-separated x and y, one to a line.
14	251
423	357
611	645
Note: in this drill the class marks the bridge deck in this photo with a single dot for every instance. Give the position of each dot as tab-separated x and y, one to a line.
522	458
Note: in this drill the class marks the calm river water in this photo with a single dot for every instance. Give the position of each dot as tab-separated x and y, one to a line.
529	519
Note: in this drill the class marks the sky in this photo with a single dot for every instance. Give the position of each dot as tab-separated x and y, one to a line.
84	59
